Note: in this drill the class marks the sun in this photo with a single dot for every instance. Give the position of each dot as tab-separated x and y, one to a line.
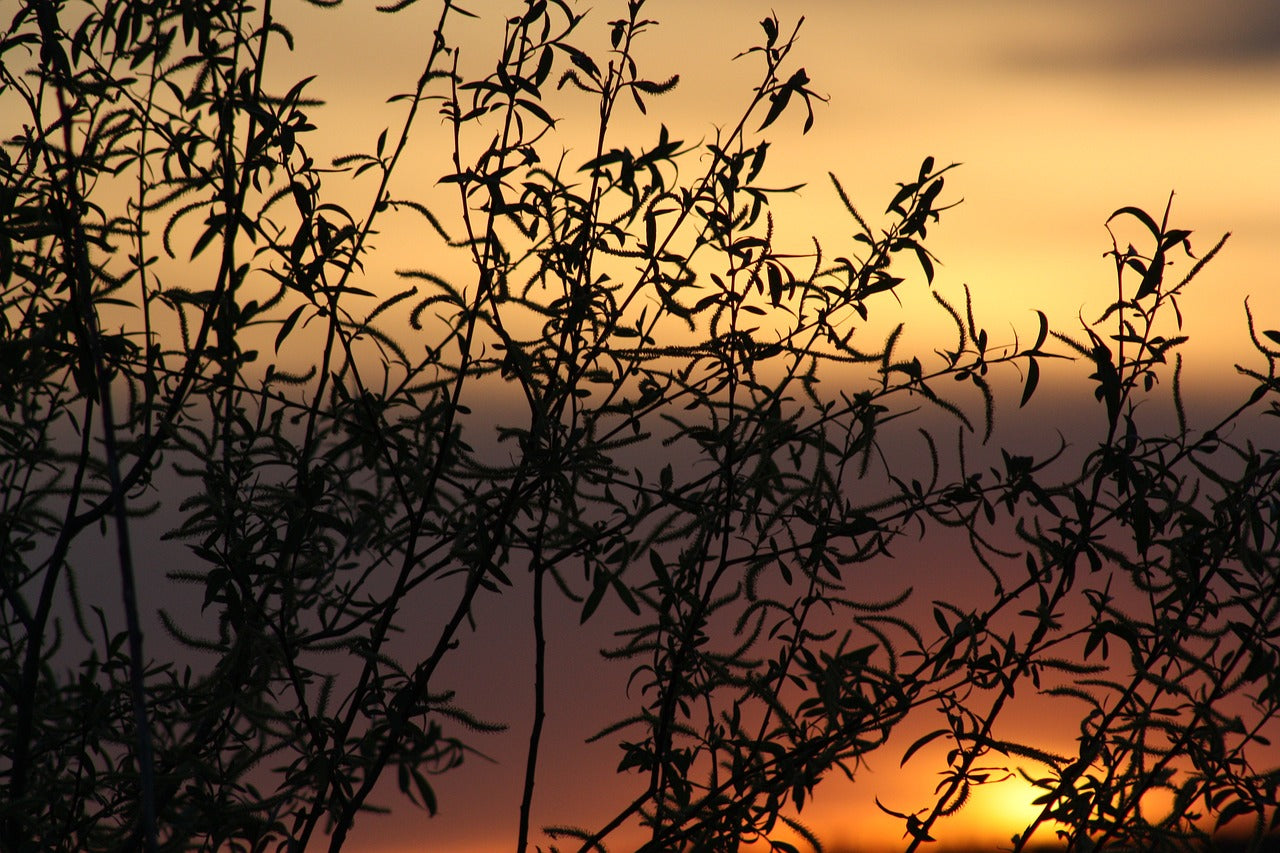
1000	809
997	810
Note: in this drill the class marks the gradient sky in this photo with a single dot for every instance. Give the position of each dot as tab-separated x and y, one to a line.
1060	112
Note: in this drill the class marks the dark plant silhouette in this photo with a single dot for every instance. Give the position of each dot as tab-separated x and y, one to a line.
193	331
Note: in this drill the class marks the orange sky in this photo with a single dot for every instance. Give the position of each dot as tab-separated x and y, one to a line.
1061	112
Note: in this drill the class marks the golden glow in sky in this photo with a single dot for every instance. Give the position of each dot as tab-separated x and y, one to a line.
1059	113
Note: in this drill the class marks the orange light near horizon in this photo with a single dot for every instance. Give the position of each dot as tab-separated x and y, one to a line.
1001	809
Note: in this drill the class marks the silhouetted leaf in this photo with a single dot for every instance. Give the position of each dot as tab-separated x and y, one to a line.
1032	380
919	743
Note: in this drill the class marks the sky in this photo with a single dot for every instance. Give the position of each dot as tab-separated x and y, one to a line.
1059	112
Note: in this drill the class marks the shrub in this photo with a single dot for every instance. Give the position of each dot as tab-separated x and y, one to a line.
601	387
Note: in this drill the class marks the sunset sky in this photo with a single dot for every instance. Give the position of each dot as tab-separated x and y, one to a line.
1060	111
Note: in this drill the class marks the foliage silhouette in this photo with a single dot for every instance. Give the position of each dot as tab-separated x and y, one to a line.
668	452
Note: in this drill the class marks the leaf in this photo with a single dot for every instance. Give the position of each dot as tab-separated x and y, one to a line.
537	110
925	262
1033	379
543	70
1153	276
202	242
888	810
920	743
925	169
425	791
775	284
1234	809
770	26
287	326
1177	236
628	600
706	302
777	103
599	584
1044	331
659	567
301	198
1139	214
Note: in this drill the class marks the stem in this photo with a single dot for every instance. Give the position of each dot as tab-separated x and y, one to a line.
539	701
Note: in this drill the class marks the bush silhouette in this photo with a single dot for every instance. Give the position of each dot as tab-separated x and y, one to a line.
600	384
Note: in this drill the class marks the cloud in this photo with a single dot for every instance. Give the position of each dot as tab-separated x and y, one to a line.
1174	35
